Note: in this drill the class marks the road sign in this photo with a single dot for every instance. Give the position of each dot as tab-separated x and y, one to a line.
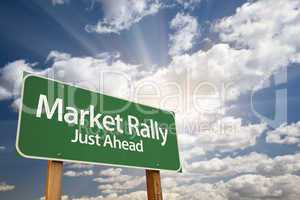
59	121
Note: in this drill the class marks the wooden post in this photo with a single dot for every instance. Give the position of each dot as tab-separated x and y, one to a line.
153	185
53	184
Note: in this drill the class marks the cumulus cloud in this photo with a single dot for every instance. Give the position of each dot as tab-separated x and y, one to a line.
122	14
237	136
285	134
270	33
252	47
280	165
186	30
137	195
113	181
88	72
260	187
111	172
4	187
72	173
250	187
253	163
225	135
11	78
121	186
4	94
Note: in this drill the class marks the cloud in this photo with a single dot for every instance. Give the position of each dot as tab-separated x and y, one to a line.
11	78
4	94
186	31
111	172
224	135
77	166
2	148
248	187
122	186
63	197
279	165
234	136
122	14
6	187
137	195
112	181
253	163
88	72
260	187
59	2
232	64
285	134
72	173
57	56
189	4
270	33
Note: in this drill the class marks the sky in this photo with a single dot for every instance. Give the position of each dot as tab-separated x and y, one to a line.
228	69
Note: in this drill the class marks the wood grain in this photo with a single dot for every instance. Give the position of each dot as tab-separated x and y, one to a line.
53	183
154	191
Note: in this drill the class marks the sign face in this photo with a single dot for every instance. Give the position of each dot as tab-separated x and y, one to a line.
58	121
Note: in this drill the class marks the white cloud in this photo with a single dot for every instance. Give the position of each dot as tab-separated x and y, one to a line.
252	163
266	28
63	197
88	72
111	172
260	187
186	30
4	94
122	14
112	181
77	166
122	186
58	56
225	135
11	77
6	187
59	2
279	165
189	4
72	173
246	187
235	136
285	134
137	195
180	187
2	148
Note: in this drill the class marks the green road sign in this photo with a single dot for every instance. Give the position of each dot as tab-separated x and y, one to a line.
58	121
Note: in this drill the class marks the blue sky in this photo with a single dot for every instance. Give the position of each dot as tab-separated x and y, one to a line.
235	143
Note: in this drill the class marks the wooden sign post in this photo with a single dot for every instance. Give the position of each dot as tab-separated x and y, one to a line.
154	191
53	183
